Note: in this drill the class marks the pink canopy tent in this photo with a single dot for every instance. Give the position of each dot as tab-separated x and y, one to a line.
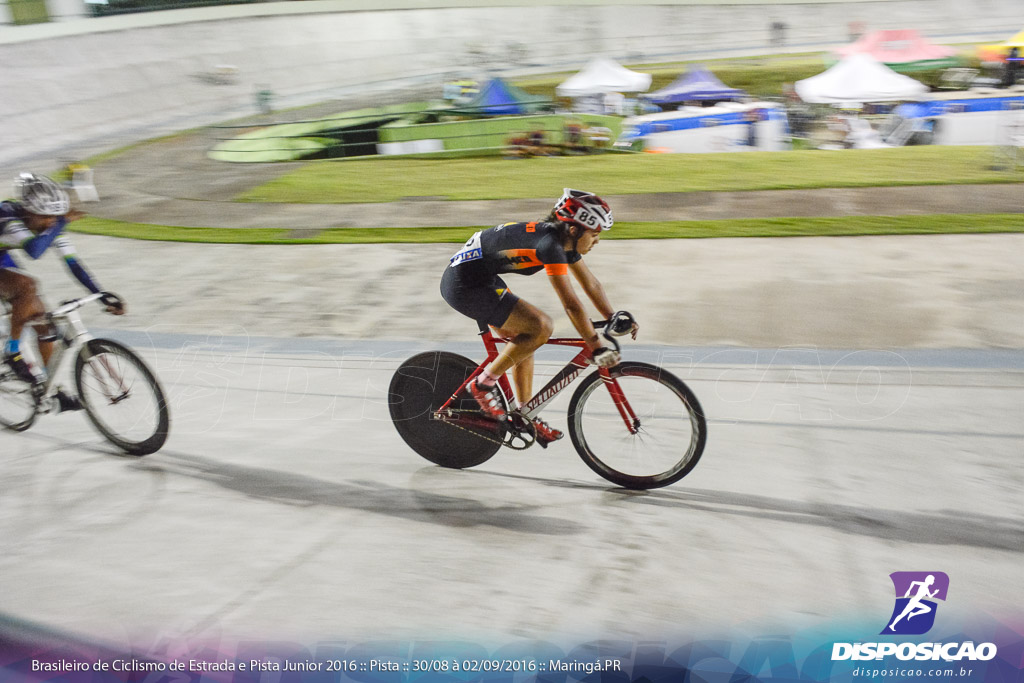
901	49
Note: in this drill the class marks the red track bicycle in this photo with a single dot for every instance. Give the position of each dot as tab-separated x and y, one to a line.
645	430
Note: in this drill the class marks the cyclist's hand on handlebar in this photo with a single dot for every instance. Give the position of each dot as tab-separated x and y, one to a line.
605	357
112	303
623	323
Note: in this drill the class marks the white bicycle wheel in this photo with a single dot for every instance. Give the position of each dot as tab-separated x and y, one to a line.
122	397
17	404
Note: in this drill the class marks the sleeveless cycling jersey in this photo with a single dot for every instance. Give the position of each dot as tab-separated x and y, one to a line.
523	248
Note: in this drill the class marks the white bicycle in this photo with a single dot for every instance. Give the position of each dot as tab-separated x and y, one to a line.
118	391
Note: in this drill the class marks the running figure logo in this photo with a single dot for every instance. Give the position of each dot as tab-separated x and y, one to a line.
916	593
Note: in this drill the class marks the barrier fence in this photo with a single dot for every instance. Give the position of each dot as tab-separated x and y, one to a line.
548	134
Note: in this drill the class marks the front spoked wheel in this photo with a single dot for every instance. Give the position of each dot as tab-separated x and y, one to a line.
17	402
122	397
668	426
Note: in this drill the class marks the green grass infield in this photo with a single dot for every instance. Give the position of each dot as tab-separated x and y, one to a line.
387	180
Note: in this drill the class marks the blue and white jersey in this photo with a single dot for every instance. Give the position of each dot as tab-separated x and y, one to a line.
14	234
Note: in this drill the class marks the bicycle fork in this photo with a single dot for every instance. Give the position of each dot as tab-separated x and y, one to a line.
111	382
619	399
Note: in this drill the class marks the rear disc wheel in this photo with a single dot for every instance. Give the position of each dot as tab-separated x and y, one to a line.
423	384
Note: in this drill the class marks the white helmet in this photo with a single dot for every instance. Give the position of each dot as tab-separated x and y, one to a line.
41	195
584	209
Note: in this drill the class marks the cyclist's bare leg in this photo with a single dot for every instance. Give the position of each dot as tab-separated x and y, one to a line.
45	347
20	292
522	375
527	328
522	378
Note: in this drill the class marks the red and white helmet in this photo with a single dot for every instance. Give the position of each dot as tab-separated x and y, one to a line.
584	209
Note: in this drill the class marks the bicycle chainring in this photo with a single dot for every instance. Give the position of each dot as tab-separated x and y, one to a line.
517	433
520	433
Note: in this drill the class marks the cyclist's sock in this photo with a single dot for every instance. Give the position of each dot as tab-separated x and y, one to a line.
12	346
486	379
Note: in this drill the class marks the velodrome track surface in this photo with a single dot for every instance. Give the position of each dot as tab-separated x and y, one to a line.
285	505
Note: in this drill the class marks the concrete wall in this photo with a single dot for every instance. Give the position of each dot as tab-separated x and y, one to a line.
119	79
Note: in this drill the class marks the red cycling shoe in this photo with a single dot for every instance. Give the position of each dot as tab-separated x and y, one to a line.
489	399
545	432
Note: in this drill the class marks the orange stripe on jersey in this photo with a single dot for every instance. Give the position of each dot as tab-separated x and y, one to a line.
556	269
531	227
518	259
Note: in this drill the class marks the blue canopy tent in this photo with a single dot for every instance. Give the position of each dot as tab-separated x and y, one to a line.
499	98
698	84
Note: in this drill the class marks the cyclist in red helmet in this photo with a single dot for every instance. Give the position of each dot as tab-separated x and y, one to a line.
472	286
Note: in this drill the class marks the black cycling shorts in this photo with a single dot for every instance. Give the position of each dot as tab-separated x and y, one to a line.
489	303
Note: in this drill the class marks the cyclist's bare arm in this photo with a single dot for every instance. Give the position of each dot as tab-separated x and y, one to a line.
592	286
574	309
75	267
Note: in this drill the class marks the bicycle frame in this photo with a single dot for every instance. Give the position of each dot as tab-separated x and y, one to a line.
560	381
70	332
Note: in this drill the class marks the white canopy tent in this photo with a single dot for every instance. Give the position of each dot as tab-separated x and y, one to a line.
602	75
859	78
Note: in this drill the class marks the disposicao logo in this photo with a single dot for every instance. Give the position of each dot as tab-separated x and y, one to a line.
916	593
913	615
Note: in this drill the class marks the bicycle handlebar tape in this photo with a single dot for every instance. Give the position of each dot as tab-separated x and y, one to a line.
606	335
621	323
110	299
